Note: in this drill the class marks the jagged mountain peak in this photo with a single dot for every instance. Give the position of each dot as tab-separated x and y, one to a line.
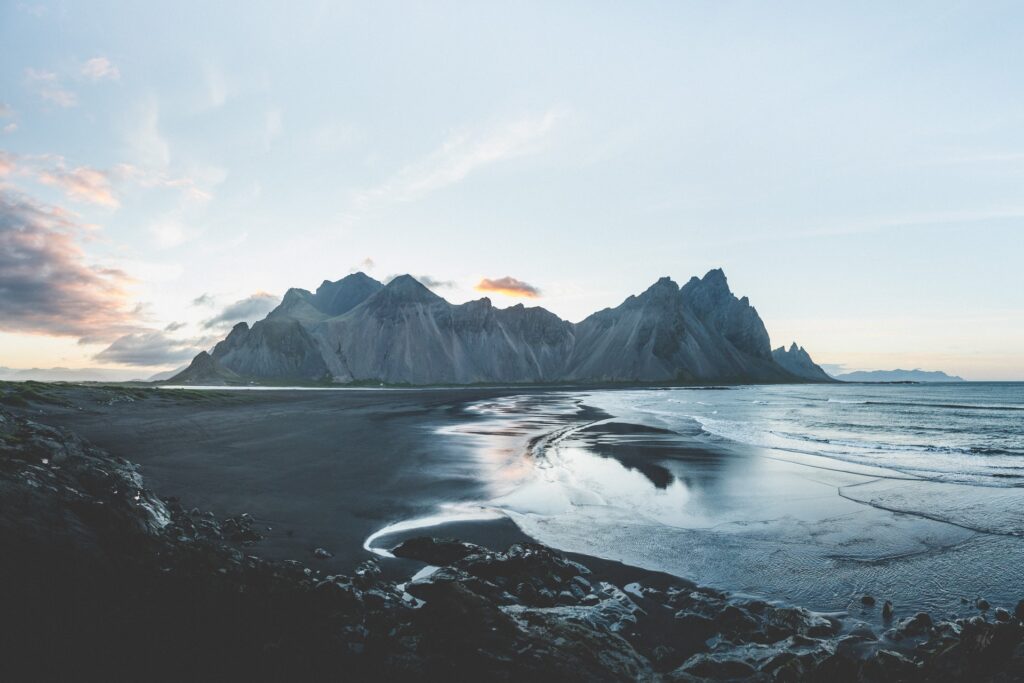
713	285
663	285
798	362
340	297
408	288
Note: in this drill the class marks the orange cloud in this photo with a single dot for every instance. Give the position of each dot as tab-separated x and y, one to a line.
509	286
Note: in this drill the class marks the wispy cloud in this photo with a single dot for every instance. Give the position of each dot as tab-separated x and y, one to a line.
509	286
253	307
7	163
364	265
464	154
150	349
434	283
97	186
48	86
82	183
148	145
46	284
428	281
100	69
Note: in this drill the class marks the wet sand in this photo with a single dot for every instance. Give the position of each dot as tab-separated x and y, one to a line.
315	469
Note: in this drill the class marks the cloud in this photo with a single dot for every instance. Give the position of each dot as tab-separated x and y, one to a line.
94	185
48	86
60	97
82	183
463	154
5	110
203	299
144	136
46	285
251	308
509	286
40	76
167	232
100	69
7	163
366	264
159	179
10	127
428	282
173	327
149	349
434	283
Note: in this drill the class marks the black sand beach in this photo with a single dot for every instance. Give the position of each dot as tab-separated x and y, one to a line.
310	475
313	468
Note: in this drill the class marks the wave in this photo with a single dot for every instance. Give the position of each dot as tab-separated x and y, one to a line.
948	406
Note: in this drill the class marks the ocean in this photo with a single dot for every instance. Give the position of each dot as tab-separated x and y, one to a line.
809	494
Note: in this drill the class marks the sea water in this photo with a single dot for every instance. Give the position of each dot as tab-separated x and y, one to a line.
812	494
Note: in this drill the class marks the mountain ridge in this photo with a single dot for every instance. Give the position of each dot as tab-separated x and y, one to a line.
357	330
898	375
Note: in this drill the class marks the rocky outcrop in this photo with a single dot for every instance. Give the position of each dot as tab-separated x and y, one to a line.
798	362
357	330
101	579
700	332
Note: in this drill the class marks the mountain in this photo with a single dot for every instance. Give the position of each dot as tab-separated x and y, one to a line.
166	374
699	332
898	376
797	361
67	374
358	330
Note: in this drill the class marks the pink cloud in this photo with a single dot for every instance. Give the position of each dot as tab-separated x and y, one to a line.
82	183
46	284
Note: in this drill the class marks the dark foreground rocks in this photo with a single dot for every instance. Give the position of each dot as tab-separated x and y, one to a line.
102	580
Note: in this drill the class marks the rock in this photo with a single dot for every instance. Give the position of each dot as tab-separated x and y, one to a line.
867	601
1018	611
1001	614
693	627
982	604
887	611
886	665
916	625
322	554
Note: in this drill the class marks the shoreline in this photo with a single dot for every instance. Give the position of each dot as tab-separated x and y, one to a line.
108	413
134	566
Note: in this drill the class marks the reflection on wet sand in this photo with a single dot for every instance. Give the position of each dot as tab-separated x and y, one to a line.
662	495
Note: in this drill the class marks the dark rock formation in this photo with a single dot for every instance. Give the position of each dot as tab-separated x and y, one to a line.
798	362
357	330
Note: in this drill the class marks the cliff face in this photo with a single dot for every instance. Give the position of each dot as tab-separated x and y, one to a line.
358	330
798	362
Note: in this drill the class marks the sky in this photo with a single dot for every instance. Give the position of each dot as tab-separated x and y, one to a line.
857	169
